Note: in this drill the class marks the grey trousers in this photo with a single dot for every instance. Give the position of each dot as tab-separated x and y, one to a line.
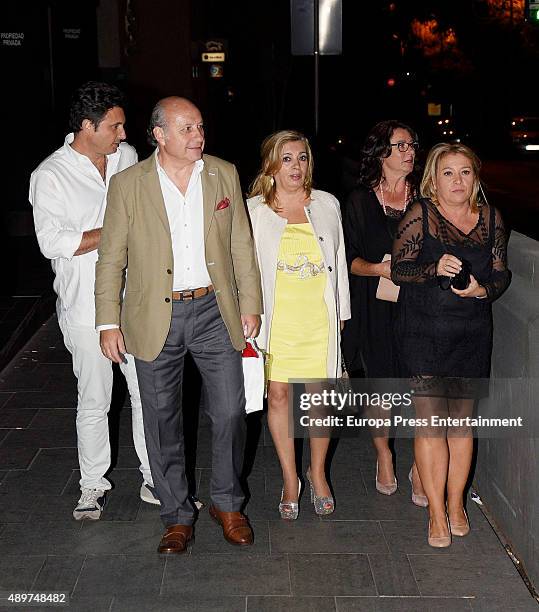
196	327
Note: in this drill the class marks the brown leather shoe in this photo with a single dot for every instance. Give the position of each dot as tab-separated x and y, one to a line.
236	528
175	539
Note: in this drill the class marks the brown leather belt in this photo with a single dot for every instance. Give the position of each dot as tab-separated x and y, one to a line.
191	294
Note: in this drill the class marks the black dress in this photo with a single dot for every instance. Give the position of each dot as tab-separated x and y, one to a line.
368	339
439	333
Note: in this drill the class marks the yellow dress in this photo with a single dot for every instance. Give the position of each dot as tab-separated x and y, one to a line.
298	338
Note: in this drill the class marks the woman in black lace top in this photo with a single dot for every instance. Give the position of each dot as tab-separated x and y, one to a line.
388	184
445	333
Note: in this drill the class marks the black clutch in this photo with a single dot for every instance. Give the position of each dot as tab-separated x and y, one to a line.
459	281
462	279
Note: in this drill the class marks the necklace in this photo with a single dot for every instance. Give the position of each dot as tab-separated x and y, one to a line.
383	202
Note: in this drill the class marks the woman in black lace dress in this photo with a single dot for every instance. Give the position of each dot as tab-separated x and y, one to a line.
445	333
388	183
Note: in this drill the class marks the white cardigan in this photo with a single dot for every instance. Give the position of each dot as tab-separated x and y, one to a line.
323	213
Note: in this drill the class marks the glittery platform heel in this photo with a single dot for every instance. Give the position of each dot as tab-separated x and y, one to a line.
322	505
289	510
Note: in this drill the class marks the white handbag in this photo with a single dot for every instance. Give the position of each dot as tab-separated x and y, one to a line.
253	376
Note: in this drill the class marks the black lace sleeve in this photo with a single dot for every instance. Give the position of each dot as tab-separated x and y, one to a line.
501	276
406	249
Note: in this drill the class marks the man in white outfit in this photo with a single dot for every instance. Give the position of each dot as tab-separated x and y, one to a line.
68	194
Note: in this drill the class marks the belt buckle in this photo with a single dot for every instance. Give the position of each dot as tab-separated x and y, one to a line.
187	295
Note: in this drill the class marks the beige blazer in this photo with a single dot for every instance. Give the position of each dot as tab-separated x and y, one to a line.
136	235
324	215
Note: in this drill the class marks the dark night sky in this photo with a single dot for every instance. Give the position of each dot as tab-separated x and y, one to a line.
265	88
484	83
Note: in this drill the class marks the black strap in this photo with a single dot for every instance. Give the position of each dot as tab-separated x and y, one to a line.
425	213
492	225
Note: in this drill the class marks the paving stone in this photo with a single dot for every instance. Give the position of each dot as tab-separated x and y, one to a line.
17	572
127	457
290	604
331	575
465	575
5	397
122	507
172	603
36	377
63	399
523	602
148	512
41	438
49	459
402	604
11	418
49	418
393	575
214	575
16	458
104	537
14	508
58	573
52	509
316	536
375	506
48	538
94	603
30	483
117	574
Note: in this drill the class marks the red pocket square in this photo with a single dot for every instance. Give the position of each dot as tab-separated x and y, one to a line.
224	203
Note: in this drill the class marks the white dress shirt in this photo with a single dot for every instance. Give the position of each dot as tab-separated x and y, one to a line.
186	221
68	196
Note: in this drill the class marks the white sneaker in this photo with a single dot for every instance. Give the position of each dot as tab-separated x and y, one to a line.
147	495
90	505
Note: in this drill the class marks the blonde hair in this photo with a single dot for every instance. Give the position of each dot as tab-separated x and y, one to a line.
270	152
428	182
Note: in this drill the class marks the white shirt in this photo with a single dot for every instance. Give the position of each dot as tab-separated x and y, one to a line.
186	221
68	196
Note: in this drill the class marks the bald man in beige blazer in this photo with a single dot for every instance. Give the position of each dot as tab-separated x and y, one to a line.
177	221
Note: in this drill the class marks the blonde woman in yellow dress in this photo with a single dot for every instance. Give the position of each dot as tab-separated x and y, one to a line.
300	249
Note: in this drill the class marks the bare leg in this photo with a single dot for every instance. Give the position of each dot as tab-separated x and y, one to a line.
460	442
319	450
380	440
278	422
432	460
319	442
386	473
416	481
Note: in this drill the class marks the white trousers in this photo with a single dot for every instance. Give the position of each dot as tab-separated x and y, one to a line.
94	386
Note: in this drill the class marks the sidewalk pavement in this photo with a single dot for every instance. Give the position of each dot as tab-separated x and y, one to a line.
370	555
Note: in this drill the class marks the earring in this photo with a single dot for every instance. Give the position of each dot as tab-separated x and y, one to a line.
272	181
